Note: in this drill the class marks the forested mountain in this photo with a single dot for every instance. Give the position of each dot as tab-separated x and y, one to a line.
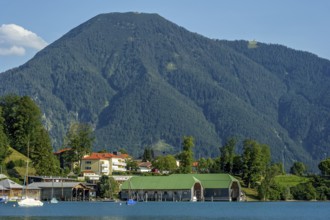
142	80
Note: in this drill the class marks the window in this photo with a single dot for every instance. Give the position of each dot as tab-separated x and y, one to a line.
88	168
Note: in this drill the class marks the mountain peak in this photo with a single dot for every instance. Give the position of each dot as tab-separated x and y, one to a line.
141	79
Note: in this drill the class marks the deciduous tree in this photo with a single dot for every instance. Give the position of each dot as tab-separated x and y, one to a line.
324	167
298	168
255	159
165	163
24	129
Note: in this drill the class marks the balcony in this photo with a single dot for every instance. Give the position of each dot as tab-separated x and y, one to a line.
117	163
120	168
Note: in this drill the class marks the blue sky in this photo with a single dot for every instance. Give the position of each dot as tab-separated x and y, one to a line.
27	26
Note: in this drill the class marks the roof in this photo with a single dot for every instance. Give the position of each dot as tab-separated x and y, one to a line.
145	164
50	178
179	181
103	156
55	184
214	181
9	184
160	182
3	188
62	151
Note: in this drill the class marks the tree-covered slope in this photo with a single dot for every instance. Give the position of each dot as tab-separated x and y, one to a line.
141	80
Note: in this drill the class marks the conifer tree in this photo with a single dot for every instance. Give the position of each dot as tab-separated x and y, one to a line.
187	156
80	139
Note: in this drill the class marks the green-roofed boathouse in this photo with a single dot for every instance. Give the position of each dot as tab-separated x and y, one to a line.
182	187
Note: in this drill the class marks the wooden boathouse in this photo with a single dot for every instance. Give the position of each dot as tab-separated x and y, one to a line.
64	191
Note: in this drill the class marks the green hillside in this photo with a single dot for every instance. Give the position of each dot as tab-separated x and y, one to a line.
141	80
16	165
290	180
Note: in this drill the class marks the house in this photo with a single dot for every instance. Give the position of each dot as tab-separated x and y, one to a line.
12	191
182	187
97	164
4	193
145	167
65	191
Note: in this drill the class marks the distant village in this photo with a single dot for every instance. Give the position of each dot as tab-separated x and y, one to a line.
151	187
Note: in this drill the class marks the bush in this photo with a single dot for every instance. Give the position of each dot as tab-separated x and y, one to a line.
304	191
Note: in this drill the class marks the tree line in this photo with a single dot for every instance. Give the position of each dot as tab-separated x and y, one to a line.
21	128
253	167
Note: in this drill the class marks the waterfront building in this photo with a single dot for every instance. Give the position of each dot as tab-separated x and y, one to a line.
64	191
182	187
11	190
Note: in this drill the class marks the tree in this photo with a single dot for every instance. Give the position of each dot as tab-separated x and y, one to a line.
147	154
227	156
80	139
298	168
237	165
131	165
256	158
324	167
186	156
123	151
4	149
215	165
268	189
44	161
303	191
26	133
22	120
107	186
165	163
205	165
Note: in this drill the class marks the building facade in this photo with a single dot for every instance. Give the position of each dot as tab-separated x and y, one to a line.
182	187
64	191
95	165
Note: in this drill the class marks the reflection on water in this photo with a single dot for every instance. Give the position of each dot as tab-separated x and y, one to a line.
170	210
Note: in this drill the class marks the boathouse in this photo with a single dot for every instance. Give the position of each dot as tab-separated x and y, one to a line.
65	191
11	190
182	187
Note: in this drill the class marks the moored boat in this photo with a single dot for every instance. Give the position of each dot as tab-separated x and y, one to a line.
30	202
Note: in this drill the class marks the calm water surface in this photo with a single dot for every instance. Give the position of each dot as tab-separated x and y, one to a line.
170	210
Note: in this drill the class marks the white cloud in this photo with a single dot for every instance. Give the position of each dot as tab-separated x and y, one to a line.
14	50
14	40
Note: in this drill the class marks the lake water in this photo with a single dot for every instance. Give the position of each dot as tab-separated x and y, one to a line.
170	210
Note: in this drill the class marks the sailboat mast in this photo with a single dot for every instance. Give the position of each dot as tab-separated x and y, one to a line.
26	178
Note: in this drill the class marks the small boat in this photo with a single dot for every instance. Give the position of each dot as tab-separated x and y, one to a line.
30	202
131	202
53	200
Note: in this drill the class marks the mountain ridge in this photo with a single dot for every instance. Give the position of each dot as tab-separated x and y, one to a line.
140	79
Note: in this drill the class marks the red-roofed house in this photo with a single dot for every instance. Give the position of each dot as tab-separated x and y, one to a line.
97	164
